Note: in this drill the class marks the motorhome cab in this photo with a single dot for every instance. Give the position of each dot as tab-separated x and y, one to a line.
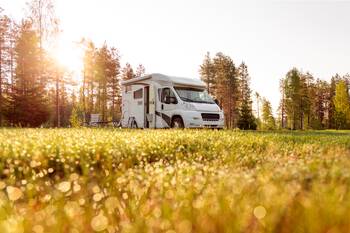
160	101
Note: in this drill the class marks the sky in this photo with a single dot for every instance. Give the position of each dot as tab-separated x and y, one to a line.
172	37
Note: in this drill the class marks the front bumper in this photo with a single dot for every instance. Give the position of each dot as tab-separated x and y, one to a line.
194	120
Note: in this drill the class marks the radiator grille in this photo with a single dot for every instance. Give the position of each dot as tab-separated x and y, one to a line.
210	117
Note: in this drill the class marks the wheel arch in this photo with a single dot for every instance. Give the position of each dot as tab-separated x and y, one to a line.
178	116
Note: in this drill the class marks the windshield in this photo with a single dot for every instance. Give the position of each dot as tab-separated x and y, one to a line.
194	95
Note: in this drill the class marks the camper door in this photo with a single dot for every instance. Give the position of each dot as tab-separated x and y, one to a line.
143	107
138	107
168	103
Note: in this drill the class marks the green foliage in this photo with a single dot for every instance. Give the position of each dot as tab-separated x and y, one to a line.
76	119
310	104
246	117
268	121
27	104
207	73
220	75
86	180
101	85
128	72
342	105
293	93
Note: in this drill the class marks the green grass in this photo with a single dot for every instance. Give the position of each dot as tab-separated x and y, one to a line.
86	180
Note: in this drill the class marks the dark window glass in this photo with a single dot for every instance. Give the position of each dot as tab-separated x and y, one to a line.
167	92
138	94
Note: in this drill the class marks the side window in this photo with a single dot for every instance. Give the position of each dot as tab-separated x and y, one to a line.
165	93
138	94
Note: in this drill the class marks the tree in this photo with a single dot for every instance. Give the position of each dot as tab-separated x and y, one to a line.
341	105
128	72
331	108
268	121
207	73
113	80
226	87
283	120
140	71
27	100
318	95
293	99
76	116
258	101
102	80
45	23
5	28
246	117
306	81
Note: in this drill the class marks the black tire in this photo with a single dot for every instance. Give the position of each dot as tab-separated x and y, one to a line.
177	123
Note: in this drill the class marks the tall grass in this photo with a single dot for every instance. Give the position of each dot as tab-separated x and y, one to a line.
105	180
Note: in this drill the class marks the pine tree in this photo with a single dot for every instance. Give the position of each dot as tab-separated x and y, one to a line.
113	81
207	73
306	81
341	105
140	71
246	117
258	102
331	108
318	95
282	107
226	87
128	72
102	80
5	33
268	121
87	94
45	23
293	98
27	101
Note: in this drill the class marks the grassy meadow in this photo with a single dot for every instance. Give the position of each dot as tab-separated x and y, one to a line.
112	180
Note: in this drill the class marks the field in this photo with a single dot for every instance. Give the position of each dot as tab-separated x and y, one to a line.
106	180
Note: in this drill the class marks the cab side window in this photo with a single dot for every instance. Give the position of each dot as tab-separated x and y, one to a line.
167	93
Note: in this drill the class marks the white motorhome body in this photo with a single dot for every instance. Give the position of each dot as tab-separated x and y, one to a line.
160	101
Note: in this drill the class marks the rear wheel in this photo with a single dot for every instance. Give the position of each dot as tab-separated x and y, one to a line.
177	123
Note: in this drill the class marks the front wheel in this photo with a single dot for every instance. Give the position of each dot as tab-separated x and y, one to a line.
177	123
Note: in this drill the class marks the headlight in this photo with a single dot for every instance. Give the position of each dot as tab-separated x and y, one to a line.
189	106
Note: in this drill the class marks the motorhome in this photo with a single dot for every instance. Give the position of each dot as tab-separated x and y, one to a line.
161	101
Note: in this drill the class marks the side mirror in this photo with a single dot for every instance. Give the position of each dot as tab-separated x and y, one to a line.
170	100
216	101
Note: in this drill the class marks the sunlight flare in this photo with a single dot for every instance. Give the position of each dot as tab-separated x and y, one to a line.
68	55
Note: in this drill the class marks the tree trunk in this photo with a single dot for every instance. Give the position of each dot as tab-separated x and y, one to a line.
57	101
113	100
0	84
83	95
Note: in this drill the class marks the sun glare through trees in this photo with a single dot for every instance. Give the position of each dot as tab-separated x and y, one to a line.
101	131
